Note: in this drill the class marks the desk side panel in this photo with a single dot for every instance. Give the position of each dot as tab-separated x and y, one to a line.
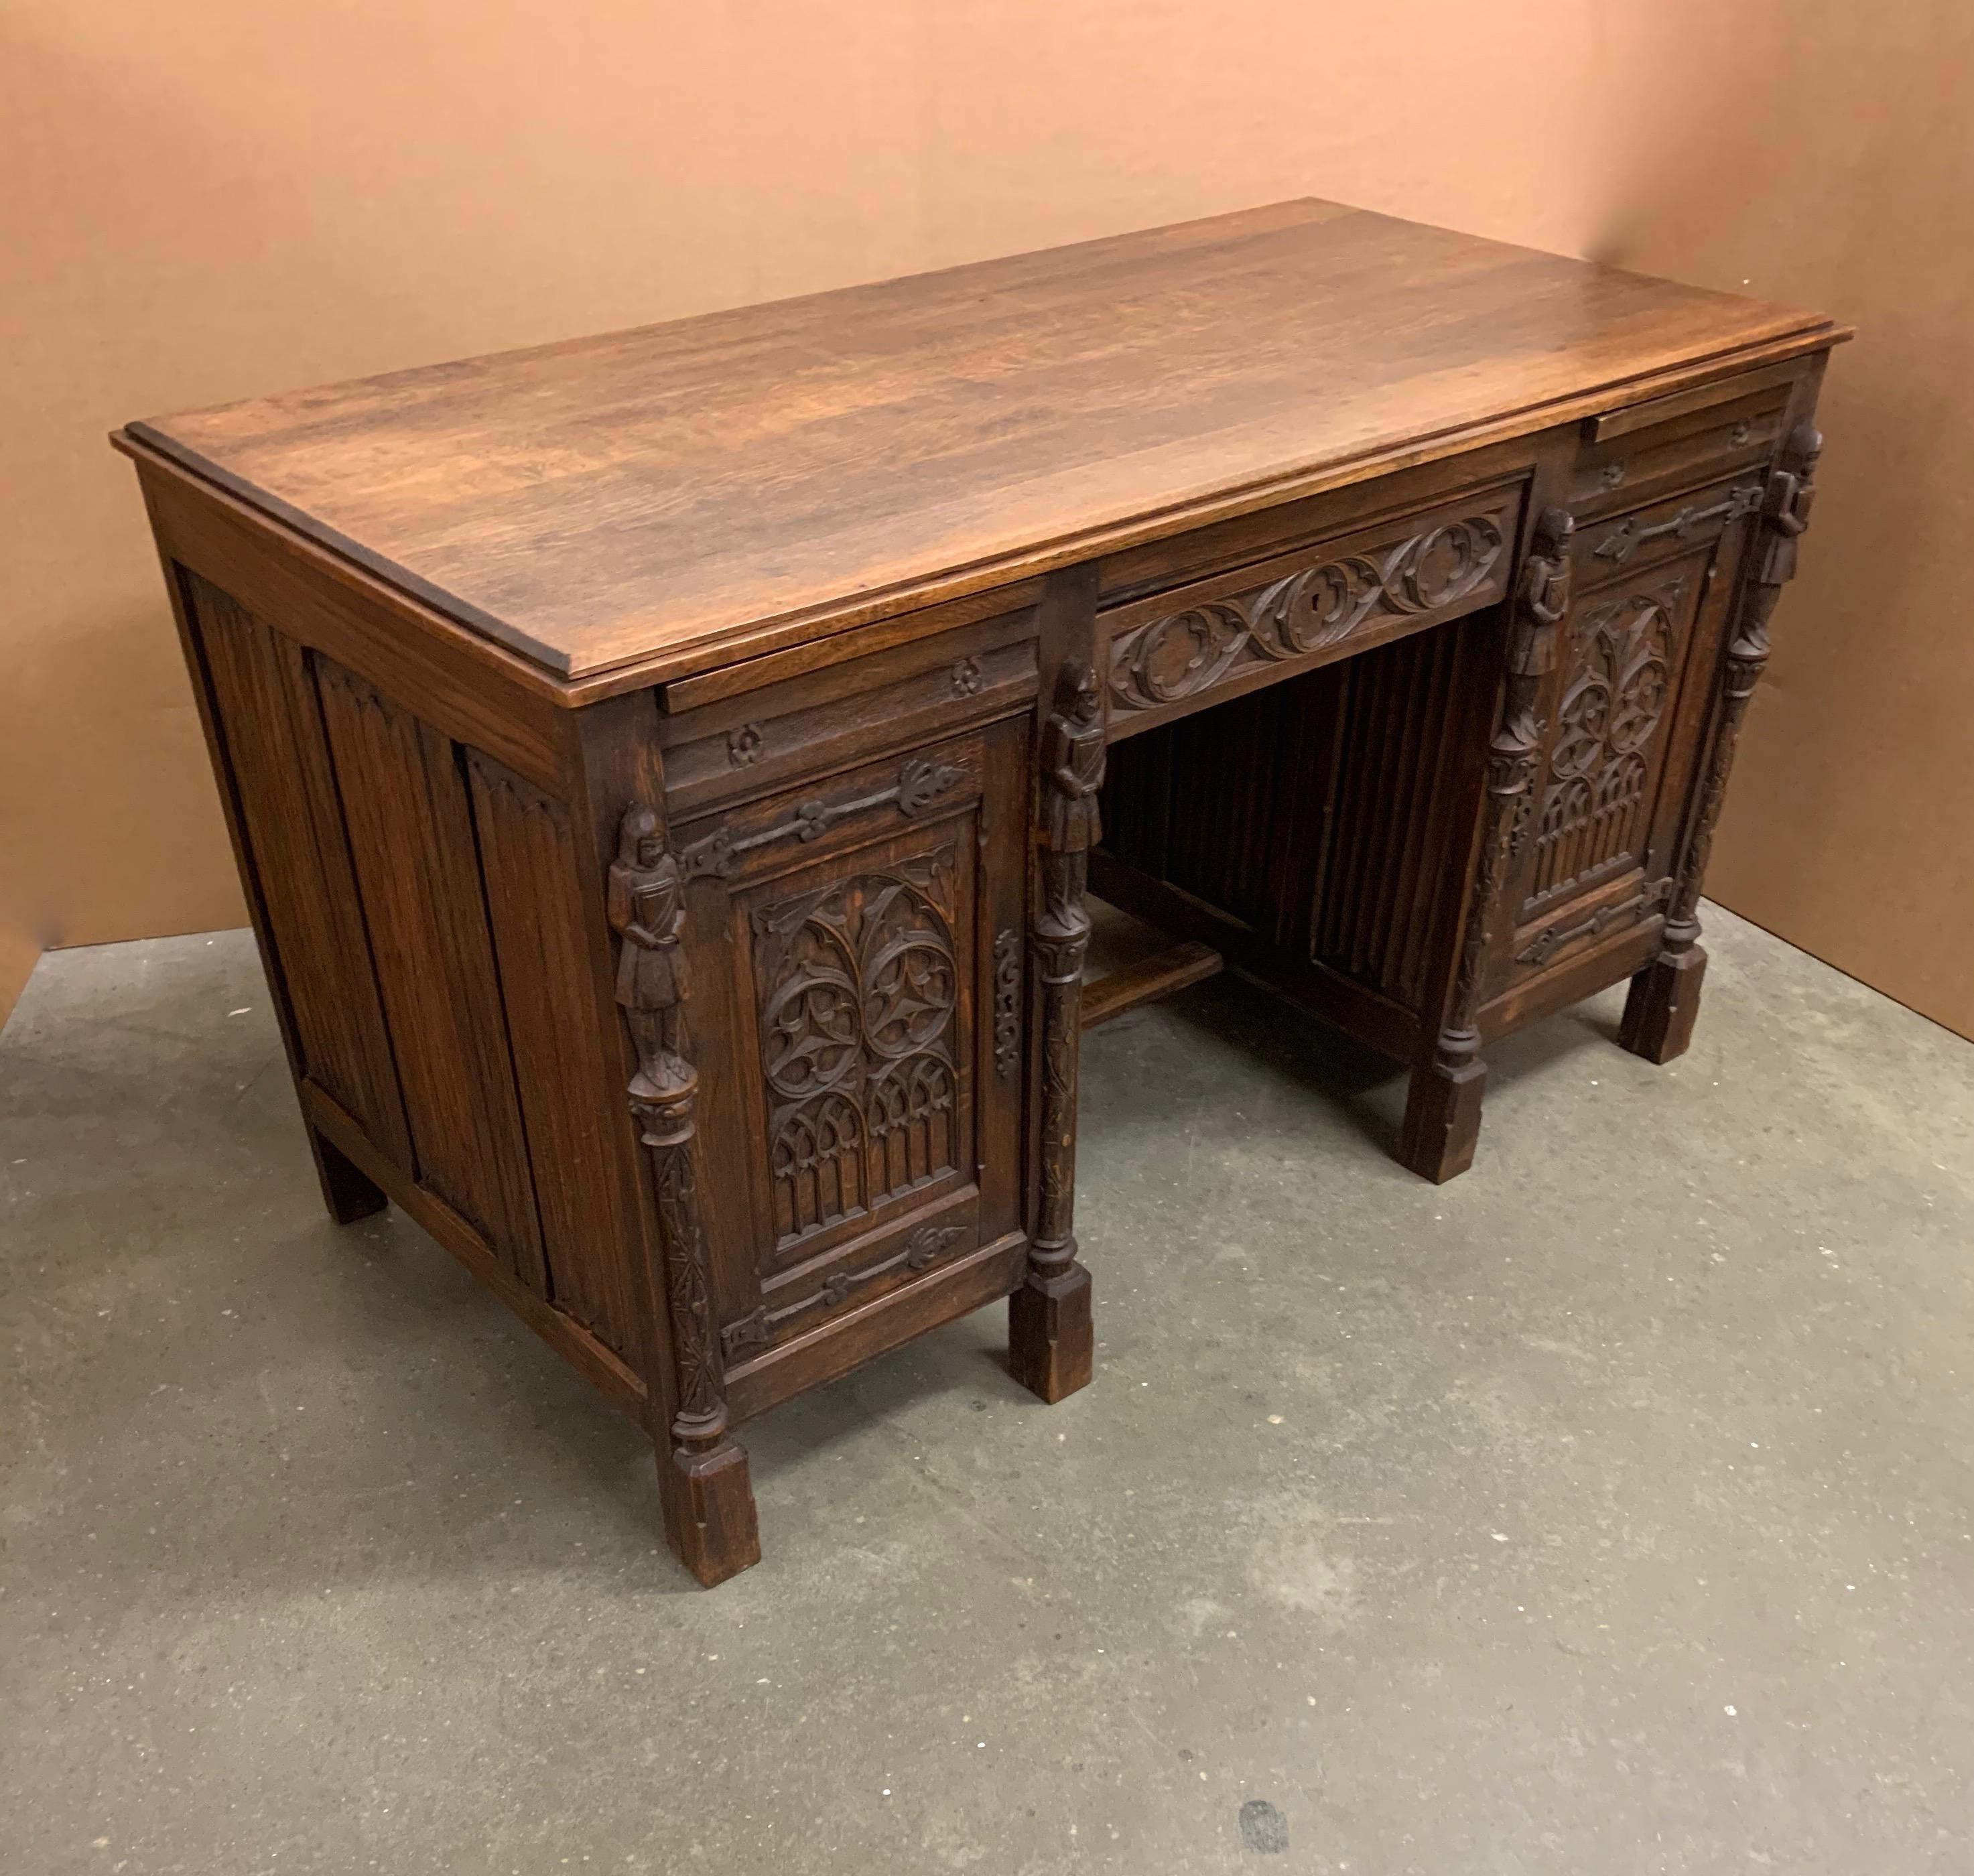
422	915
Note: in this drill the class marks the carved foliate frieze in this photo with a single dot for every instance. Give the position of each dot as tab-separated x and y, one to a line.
1301	614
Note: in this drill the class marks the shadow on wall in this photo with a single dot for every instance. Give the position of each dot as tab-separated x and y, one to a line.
1817	155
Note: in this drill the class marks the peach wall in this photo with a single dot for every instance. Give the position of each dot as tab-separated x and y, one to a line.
216	199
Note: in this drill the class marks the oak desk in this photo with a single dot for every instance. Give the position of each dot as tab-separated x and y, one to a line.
666	769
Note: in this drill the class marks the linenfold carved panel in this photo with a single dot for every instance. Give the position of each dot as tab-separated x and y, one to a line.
1418	569
859	989
1596	798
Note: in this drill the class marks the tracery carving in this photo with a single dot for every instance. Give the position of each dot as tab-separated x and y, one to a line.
1623	653
859	985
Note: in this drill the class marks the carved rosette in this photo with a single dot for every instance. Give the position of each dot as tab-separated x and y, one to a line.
1541	602
1303	613
1784	511
646	910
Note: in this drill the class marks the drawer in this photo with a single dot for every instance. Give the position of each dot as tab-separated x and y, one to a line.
1217	638
1623	544
739	745
1633	455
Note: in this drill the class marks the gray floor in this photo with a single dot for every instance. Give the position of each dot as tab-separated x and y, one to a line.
1608	1510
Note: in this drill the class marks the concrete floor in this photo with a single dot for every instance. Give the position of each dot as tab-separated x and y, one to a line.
1610	1509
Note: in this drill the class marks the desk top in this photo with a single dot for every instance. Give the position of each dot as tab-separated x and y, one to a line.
677	496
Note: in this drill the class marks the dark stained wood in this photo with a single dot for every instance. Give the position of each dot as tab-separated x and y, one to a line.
668	772
529	860
411	833
292	823
708	1497
1111	996
647	495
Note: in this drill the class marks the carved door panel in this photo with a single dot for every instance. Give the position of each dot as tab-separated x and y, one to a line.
862	941
1595	845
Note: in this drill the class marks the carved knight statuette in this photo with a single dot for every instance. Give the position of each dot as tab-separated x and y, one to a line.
1073	763
1049	1322
710	1507
1535	636
647	908
1786	506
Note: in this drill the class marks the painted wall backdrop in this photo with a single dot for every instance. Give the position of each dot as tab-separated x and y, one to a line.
219	199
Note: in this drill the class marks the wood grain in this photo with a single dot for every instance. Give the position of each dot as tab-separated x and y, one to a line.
654	494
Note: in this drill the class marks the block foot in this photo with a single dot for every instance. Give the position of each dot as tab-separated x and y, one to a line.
1050	1342
709	1503
1443	1118
349	1193
1663	1003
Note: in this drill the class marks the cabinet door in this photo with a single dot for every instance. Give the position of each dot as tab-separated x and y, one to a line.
856	948
1641	641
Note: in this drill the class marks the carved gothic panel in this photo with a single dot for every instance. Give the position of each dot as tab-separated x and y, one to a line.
859	991
1594	807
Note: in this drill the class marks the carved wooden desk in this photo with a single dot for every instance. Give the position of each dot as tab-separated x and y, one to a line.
666	769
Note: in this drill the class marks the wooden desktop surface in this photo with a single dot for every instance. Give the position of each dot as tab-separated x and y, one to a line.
673	497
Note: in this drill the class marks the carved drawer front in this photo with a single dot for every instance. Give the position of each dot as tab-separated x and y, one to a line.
739	745
1217	638
1635	455
864	939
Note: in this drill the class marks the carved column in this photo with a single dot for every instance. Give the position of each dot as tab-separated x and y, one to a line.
1049	1319
1443	1105
709	1501
1664	997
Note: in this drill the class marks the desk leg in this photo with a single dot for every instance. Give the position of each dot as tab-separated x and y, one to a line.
1050	1338
1442	1121
1664	997
349	1194
702	1480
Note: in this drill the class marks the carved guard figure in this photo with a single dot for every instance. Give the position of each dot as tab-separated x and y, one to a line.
1072	760
647	908
1785	507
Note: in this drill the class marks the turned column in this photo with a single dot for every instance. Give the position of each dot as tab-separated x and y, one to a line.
1664	997
1443	1103
1049	1322
708	1501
